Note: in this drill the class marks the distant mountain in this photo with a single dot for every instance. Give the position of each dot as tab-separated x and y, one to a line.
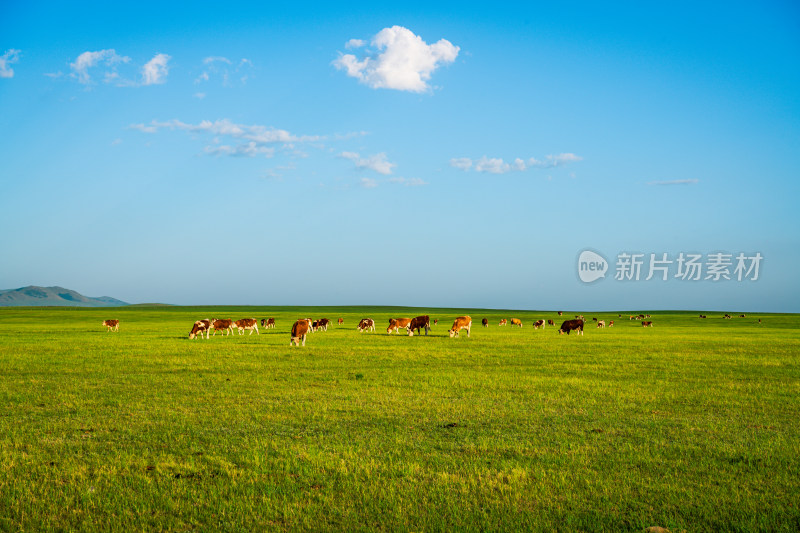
41	296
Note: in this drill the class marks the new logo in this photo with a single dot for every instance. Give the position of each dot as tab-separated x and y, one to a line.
591	266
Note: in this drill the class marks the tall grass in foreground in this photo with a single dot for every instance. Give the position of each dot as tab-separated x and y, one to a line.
689	425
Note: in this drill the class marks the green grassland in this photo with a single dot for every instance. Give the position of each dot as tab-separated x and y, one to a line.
690	425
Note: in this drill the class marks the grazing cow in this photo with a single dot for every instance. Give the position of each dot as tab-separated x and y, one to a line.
267	323
417	323
702	316
247	323
538	323
299	331
560	313
341	321
199	327
601	323
462	322
647	316
366	324
322	324
222	324
516	322
611	324
111	324
570	325
550	322
594	319
742	316
727	315
485	322
631	317
503	322
435	321
639	317
647	323
396	323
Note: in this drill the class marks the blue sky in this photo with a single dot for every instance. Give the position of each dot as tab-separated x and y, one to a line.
448	155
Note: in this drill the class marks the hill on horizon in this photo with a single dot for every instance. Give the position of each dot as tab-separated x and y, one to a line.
36	296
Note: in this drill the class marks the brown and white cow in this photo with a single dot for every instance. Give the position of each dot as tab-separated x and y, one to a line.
516	322
570	325
462	322
485	322
647	324
611	324
418	323
199	327
267	323
742	316
503	322
222	324
560	313
539	323
247	323
366	324
111	324
397	323
341	321
322	324
601	323
727	315
435	321
550	322
299	331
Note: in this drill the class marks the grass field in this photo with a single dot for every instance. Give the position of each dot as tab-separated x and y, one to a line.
690	425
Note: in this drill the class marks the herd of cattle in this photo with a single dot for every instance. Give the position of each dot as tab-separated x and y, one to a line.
302	327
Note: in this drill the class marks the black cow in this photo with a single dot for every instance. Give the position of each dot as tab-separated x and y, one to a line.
570	325
485	322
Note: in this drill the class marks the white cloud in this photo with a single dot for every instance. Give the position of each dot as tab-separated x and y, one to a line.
675	182
464	163
250	149
255	132
224	69
499	166
493	165
85	61
10	57
402	61
554	160
155	71
253	139
212	59
376	162
354	43
369	183
199	96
